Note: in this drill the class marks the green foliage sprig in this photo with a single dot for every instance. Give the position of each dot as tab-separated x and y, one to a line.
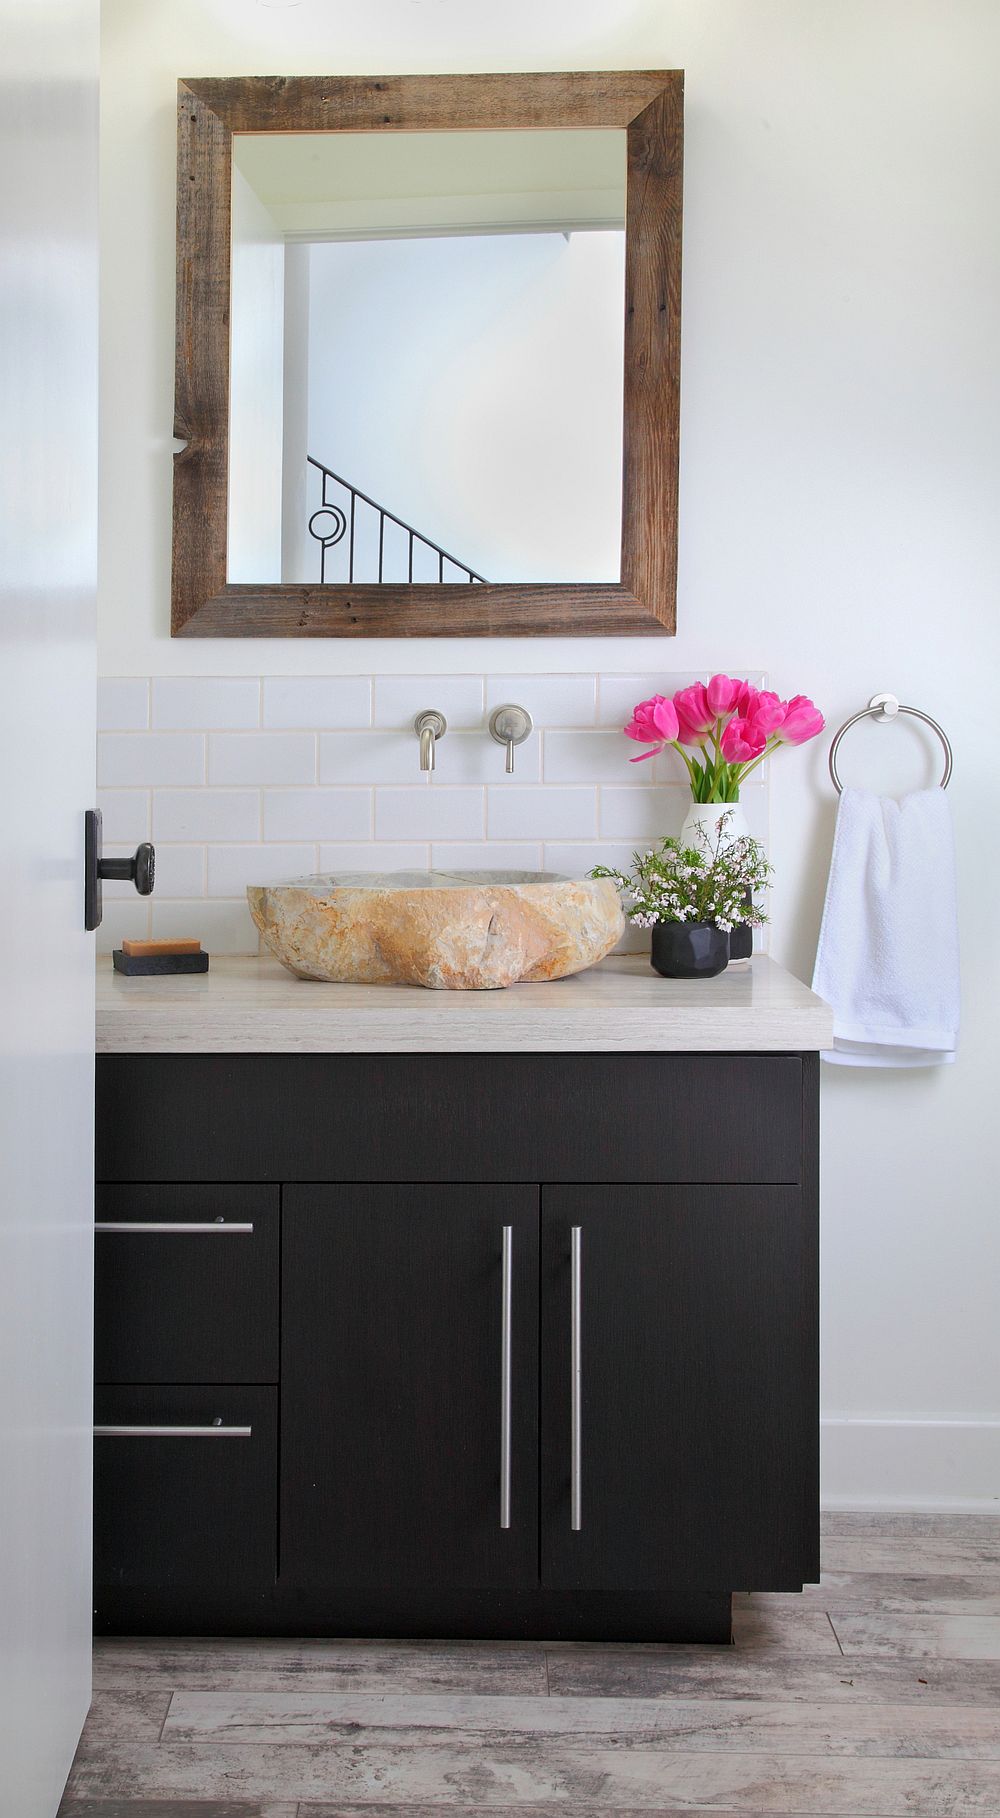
710	881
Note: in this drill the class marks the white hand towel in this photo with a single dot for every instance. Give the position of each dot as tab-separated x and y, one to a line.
887	960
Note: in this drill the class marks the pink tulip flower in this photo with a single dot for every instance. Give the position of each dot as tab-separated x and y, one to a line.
742	740
654	722
694	714
802	721
722	695
767	713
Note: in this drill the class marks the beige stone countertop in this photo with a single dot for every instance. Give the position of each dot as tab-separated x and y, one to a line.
254	1006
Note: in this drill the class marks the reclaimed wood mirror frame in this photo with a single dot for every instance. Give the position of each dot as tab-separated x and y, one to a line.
648	104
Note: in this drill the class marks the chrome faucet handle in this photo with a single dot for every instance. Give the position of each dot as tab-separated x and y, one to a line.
429	726
510	726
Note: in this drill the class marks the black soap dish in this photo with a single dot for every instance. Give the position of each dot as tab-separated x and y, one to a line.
151	965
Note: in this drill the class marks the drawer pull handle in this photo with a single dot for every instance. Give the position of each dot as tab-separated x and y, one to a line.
506	1326
146	1227
575	1373
215	1431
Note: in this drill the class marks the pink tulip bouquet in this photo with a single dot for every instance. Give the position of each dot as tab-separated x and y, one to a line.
733	726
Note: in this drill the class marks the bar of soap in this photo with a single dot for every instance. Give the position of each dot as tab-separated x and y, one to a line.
153	949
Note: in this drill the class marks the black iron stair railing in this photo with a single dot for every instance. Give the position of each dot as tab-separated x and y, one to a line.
338	523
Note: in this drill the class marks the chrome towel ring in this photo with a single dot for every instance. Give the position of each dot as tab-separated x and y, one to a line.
886	707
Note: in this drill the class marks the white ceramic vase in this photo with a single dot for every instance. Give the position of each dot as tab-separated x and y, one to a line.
706	815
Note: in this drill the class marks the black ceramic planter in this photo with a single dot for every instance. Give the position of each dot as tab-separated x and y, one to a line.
689	950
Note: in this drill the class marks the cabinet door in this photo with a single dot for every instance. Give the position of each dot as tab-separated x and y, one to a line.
695	1444
396	1418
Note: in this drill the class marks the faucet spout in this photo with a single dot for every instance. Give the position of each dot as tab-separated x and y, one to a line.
429	727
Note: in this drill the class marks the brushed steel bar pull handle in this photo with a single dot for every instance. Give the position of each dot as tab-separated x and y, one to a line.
201	1228
215	1431
575	1373
506	1331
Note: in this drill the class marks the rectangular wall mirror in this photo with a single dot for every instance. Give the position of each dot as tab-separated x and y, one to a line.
427	355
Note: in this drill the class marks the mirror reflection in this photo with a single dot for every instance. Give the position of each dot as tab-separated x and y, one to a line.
426	357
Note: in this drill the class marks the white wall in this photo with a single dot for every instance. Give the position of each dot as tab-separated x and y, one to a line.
838	504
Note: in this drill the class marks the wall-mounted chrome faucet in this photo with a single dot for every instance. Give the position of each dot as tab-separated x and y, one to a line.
429	726
510	726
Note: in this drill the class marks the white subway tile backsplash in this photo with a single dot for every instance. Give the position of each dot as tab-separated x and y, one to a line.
125	814
180	870
211	703
375	855
138	758
262	757
241	780
575	858
755	802
641	814
122	704
438	813
591	757
471	757
127	920
206	814
513	813
652	814
370	757
317	700
617	694
666	767
232	868
221	927
317	814
551	700
487	855
399	698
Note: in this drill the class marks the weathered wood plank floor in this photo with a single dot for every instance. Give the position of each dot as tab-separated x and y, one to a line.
876	1694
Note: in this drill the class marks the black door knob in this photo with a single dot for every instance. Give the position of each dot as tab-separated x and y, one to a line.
139	870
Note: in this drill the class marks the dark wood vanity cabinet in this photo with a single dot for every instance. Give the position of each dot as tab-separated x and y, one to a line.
513	1345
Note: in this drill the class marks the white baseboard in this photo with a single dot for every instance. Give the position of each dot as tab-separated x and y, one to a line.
939	1466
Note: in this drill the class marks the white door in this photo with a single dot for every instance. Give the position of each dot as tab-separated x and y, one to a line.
48	534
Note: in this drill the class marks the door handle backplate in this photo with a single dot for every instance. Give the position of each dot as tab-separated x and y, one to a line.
140	869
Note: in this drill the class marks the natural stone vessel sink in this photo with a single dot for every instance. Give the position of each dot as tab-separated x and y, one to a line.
451	930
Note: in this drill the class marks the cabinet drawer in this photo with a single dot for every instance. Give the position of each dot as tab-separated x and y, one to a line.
185	1486
194	1301
452	1117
